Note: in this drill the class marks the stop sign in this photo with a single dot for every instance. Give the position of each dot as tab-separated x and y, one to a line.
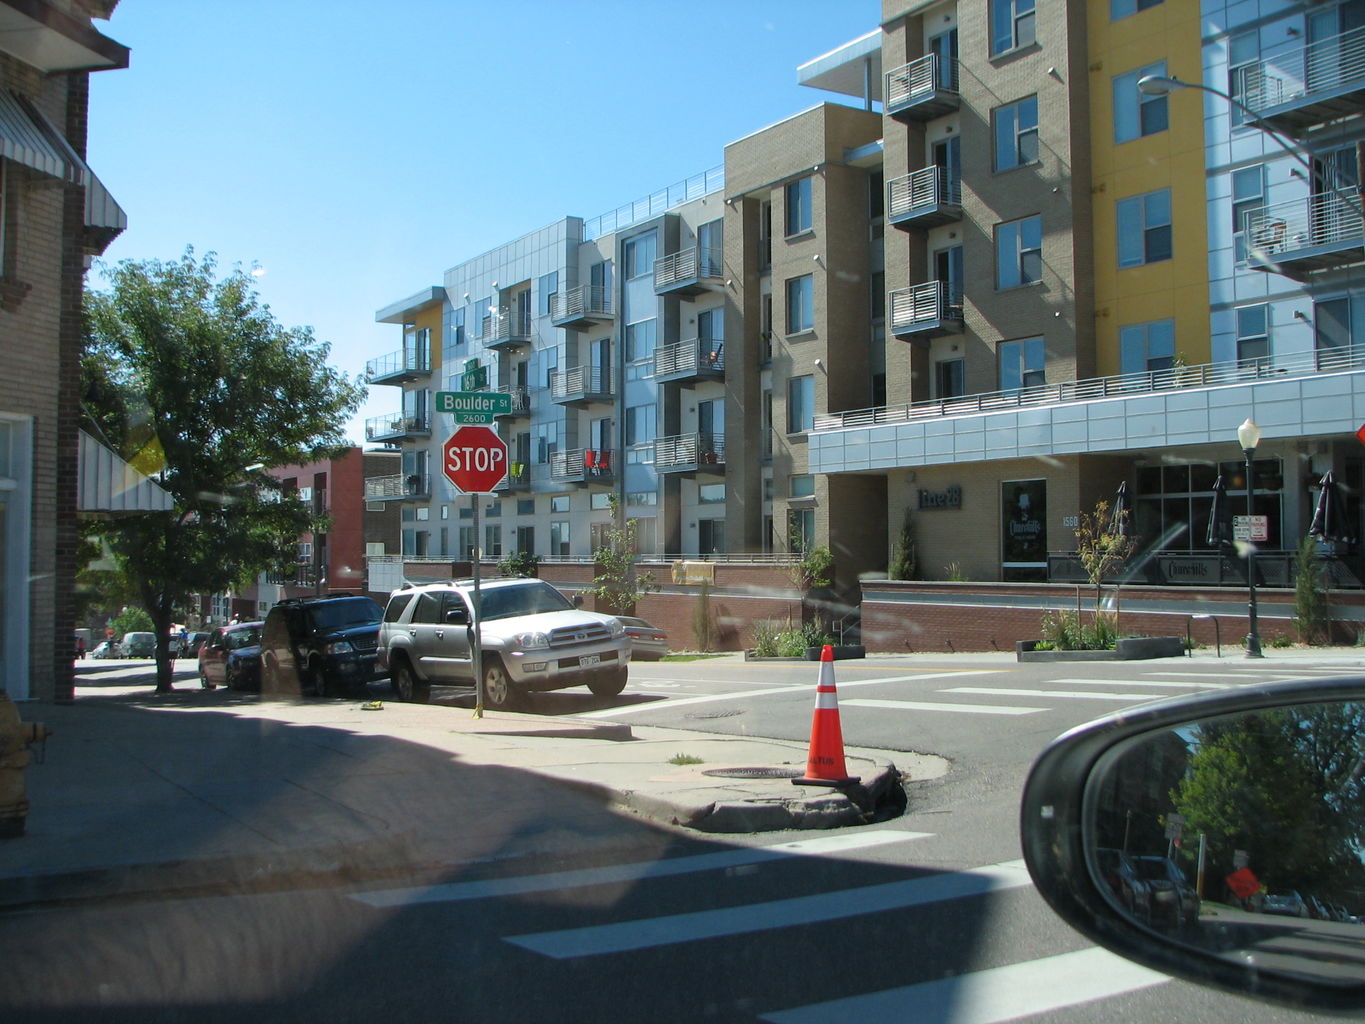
474	458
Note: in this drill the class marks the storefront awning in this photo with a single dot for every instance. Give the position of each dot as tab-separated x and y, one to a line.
107	485
27	141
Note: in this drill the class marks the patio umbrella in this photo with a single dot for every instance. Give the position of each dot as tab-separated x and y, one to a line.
1219	534
1123	510
1329	517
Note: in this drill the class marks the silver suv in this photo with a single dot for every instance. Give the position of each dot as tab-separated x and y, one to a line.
533	638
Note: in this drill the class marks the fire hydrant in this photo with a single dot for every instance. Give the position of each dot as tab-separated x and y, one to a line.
16	736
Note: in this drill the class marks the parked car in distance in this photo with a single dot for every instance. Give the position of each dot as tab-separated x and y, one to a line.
138	645
1129	887
1174	901
320	645
105	649
194	640
1286	902
231	657
532	638
647	643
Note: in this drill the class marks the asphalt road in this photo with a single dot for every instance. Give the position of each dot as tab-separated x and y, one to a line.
926	918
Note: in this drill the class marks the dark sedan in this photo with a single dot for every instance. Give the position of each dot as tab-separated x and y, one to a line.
231	657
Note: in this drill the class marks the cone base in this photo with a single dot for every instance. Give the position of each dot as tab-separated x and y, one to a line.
833	783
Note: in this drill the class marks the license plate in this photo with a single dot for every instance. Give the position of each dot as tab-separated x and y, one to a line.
588	660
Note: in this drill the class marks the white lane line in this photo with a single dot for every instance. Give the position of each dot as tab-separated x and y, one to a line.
990	996
1051	694
453	892
919	705
761	917
1145	682
680	702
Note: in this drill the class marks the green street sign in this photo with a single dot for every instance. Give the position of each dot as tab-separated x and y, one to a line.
474	406
475	379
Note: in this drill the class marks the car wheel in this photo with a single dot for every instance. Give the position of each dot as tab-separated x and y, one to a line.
609	685
498	691
204	680
407	686
317	681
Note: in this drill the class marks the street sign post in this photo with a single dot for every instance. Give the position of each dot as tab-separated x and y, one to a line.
474	459
474	406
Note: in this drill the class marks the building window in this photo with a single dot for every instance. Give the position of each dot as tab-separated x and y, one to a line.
798	206
1135	113
1145	347
526	507
1145	228
1248	197
711	494
559	503
639	340
711	536
1012	25
1019	252
1253	332
802	485
800	304
526	539
549	288
950	378
492	540
639	425
800	403
711	329
1119	9
1016	134
457	337
1023	363
466	543
599	500
800	530
646	498
1244	51
638	256
559	539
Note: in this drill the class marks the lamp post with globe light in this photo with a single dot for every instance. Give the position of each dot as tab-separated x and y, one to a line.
1249	436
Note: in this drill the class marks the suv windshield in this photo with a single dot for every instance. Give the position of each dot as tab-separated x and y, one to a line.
356	611
523	599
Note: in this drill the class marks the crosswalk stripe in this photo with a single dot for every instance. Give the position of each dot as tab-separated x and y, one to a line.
453	892
989	996
759	917
920	705
989	691
1190	685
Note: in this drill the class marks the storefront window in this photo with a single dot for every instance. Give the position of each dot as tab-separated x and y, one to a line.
1023	506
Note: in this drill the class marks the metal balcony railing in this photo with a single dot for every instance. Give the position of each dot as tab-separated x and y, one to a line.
1326	219
934	304
1322	67
687	266
400	485
507	327
695	449
920	81
696	355
403	363
1328	360
579	383
396	425
922	192
521	398
583	303
581	464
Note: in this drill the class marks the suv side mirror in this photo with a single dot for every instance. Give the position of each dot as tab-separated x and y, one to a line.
457	616
577	600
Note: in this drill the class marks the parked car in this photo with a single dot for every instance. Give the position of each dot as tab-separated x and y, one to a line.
532	638
194	640
106	649
1129	887
320	645
1317	909
231	657
647	643
138	645
1286	902
1174	901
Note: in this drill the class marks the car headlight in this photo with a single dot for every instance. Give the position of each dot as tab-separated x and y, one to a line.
617	628
339	647
531	641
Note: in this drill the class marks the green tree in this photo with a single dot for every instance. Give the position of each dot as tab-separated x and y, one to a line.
1101	548
1310	598
131	620
903	562
190	378
617	583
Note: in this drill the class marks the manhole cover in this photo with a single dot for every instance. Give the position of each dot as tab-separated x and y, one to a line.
755	773
724	713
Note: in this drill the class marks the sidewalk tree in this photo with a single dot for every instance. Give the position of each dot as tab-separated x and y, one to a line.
616	581
189	377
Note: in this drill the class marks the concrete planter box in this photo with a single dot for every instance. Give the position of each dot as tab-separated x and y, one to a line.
841	652
1131	648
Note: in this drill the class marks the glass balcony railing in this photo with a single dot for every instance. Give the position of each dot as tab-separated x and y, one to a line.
400	366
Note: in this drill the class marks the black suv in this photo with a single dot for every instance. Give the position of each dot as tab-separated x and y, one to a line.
320	645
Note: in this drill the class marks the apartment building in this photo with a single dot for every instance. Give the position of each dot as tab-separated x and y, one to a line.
996	281
54	215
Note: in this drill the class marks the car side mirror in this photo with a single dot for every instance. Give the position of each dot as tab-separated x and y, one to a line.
1216	838
457	616
576	600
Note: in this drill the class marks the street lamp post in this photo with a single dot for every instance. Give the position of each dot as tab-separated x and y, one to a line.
1249	436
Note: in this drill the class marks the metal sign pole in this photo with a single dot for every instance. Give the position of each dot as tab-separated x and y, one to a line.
476	635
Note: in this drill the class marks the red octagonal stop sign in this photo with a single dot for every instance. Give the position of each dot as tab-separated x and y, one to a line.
474	459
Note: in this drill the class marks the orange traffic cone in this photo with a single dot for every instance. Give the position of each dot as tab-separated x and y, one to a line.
825	763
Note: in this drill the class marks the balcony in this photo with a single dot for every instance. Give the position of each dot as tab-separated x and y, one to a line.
401	367
301	574
400	487
581	385
507	329
923	89
1293	90
1306	235
689	272
581	466
689	362
926	311
690	453
521	402
518	478
581	307
397	427
924	198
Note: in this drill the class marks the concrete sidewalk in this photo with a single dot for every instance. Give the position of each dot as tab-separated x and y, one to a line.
196	789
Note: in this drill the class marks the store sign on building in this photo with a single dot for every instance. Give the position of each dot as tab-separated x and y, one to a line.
949	498
1024	522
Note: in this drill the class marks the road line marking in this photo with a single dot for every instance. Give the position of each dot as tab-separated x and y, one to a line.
760	917
989	996
919	705
1062	694
789	688
1144	682
454	892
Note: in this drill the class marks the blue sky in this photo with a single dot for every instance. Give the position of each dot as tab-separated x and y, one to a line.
354	150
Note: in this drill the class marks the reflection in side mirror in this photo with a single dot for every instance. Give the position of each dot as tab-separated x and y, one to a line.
457	617
1218	838
577	600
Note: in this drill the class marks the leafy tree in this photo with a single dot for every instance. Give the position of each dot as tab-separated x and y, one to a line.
903	563
1101	548
704	629
617	584
519	563
131	620
190	378
1310	598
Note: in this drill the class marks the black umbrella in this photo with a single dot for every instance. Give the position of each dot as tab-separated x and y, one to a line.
1219	534
1329	517
1123	509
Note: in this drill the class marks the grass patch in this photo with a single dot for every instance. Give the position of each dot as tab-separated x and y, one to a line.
685	759
690	657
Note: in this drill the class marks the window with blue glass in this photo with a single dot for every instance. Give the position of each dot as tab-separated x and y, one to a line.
1144	224
1023	363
